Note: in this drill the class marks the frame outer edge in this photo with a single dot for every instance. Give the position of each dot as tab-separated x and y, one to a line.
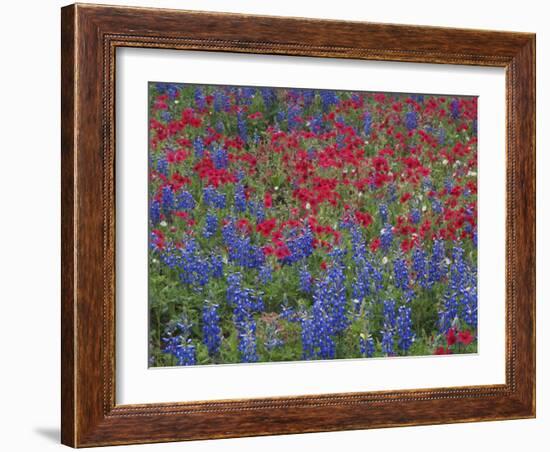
525	62
68	230
86	420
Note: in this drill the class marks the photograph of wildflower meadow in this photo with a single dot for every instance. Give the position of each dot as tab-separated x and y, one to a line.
302	224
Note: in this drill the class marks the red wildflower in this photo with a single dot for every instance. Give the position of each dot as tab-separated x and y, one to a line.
465	337
364	218
282	252
375	244
443	351
244	225
451	337
266	227
268	200
268	250
405	197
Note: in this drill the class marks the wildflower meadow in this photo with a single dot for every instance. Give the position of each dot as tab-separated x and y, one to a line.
300	224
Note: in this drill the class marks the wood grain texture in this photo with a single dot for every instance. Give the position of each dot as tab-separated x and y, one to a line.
90	36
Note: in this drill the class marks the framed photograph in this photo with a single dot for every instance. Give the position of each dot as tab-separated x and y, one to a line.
281	225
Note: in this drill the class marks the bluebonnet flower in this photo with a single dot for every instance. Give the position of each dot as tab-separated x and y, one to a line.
419	267
185	353
247	342
474	126
173	91
324	345
198	146
194	269
240	175
411	120
222	101
241	251
404	328
340	140
162	166
244	303
437	206
415	216
185	201
328	99
289	314
220	158
178	344
392	193
300	246
448	183
213	198
366	275
166	116
155	212
240	198
243	300
269	96
265	274
309	97
293	95
305	280
386	237
211	225
200	99
167	200
469	305
308	337
216	266
441	136
280	115
247	94
367	123
316	123
436	269
462	289
383	211
366	345
455	109
218	101
242	127
401	277
256	209
328	316
168	88
389	314
387	342
294	116
448	312
211	328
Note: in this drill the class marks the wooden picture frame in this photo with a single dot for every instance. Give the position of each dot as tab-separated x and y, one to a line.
90	35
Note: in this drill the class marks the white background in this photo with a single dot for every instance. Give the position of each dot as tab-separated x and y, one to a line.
29	119
137	384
